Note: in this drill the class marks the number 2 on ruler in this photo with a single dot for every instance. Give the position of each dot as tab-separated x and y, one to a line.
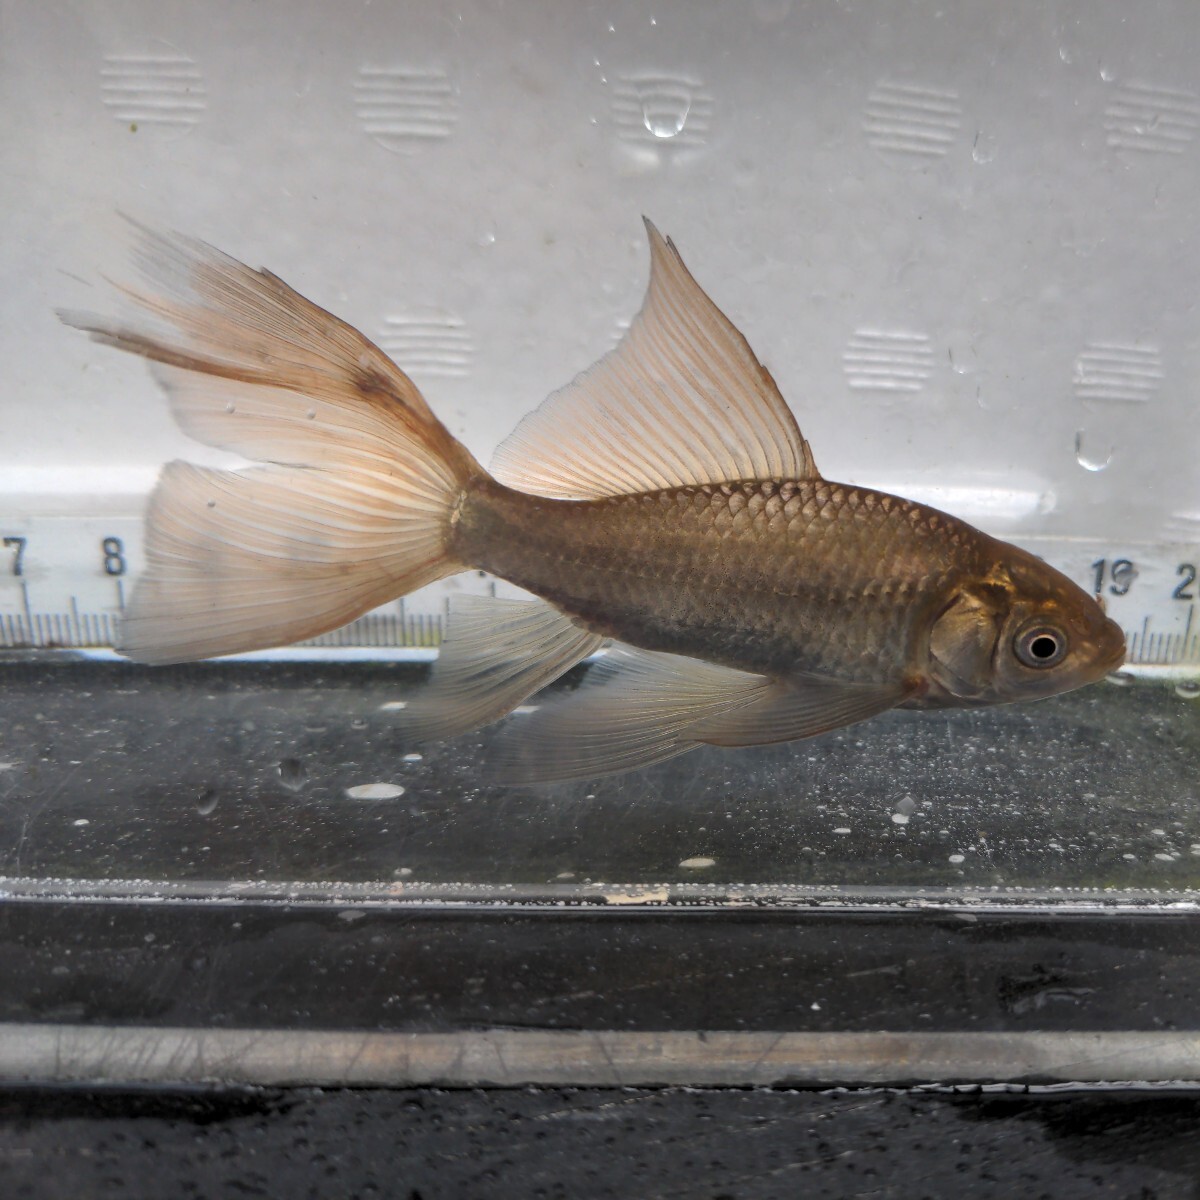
17	544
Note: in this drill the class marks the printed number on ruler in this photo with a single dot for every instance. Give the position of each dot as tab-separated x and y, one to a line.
63	580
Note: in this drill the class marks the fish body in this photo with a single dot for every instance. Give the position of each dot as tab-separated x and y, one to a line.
664	505
775	576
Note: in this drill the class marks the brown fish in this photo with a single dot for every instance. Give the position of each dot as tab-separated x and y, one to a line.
664	500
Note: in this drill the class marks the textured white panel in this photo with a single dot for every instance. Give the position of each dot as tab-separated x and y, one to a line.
961	235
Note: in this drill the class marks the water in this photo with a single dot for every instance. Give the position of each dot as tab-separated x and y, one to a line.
179	775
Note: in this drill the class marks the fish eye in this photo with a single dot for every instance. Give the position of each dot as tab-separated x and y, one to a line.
1041	646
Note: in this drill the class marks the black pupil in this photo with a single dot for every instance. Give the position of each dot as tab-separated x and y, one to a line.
1043	646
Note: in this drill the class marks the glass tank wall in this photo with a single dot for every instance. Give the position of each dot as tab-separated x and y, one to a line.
961	237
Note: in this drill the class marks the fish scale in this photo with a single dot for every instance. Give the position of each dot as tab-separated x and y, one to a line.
759	575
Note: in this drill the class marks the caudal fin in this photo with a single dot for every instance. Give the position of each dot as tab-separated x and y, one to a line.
355	504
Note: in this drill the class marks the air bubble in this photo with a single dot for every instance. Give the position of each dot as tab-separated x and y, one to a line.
1189	689
206	802
293	774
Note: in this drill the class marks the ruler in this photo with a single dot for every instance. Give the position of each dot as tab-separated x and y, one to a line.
65	579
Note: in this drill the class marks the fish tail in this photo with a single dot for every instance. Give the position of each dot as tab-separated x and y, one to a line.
356	497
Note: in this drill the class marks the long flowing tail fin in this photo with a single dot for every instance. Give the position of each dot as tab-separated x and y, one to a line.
356	504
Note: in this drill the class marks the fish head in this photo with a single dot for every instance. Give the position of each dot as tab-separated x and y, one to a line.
1022	632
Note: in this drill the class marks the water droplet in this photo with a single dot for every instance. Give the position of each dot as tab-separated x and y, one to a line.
311	414
957	858
81	822
900	818
231	407
983	151
1066	54
293	774
1120	679
206	802
402	872
1091	459
842	829
1189	689
698	864
1106	75
665	117
375	791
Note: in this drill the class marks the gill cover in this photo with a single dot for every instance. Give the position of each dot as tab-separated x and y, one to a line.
962	642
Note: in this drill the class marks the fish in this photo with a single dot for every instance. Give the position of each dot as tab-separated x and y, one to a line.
663	510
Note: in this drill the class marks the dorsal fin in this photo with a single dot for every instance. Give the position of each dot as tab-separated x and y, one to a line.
682	400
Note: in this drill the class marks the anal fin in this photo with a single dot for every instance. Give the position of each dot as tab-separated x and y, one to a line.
496	654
